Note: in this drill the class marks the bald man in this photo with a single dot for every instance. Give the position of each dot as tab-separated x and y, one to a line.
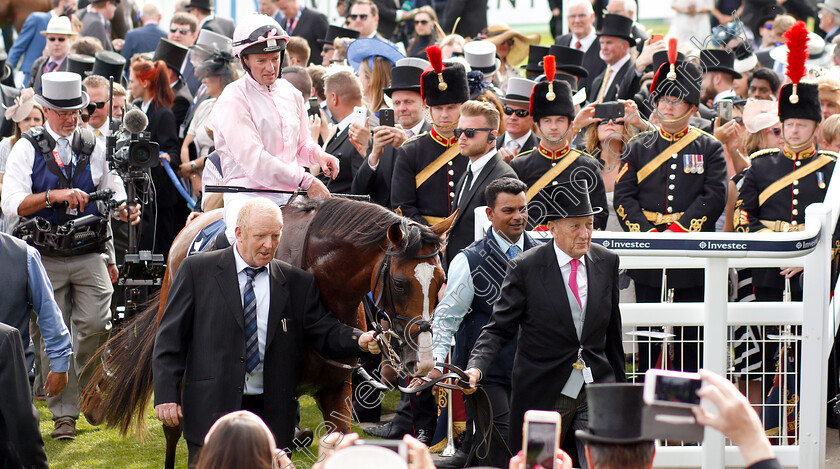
146	37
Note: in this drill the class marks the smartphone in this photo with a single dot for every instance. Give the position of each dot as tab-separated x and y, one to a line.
540	438
314	108
359	114
386	117
671	388
396	446
724	109
656	37
609	111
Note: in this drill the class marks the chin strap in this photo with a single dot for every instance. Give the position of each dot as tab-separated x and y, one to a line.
559	140
444	128
676	119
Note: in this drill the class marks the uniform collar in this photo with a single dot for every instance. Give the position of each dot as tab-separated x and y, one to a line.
675	136
808	152
553	155
447	142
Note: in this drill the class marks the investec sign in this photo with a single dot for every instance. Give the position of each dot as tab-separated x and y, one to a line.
704	245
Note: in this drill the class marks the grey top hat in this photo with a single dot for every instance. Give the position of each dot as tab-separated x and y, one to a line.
519	91
831	5
481	55
211	42
62	91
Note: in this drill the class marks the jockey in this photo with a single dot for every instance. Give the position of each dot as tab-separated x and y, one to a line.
261	129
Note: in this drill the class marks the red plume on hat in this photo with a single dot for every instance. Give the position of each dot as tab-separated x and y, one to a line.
797	44
435	56
672	58
550	68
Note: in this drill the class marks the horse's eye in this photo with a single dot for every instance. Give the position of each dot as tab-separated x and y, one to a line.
400	285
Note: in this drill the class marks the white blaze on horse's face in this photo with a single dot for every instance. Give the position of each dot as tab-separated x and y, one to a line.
424	273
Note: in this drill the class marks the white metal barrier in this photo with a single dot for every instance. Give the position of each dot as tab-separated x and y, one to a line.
716	253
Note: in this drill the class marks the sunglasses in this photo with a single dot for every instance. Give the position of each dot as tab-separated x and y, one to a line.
423	22
519	112
361	17
59	39
93	106
470	133
777	132
605	122
184	31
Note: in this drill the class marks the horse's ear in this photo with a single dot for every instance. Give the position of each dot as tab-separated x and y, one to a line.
395	234
444	226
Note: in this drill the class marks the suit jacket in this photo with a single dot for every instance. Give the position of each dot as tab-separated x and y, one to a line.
532	142
7	97
182	103
20	438
312	26
534	303
93	26
199	356
473	15
220	25
164	131
625	85
462	233
30	43
38	70
142	39
387	17
349	162
377	183
592	61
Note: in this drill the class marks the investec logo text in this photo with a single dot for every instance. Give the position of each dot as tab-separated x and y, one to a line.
722	246
619	244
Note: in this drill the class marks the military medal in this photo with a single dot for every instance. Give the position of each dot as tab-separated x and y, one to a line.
699	164
820	180
686	164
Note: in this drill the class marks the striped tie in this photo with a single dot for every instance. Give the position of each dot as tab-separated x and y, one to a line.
252	348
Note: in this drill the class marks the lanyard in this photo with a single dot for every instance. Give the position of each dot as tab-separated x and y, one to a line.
290	26
66	171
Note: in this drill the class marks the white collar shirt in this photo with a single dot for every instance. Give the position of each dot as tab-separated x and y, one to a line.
564	260
262	291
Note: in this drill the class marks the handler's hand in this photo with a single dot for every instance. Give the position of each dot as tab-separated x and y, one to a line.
328	163
318	189
432	375
368	343
790	272
55	383
475	377
169	413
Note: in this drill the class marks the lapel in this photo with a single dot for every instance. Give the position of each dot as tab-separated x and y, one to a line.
279	294
228	284
477	181
337	140
552	281
593	302
618	81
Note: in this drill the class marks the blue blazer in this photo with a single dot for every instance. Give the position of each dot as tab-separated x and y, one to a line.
142	39
30	43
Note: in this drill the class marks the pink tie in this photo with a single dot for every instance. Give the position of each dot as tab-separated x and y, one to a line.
573	280
578	45
51	66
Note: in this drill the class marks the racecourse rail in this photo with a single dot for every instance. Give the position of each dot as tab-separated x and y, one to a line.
716	253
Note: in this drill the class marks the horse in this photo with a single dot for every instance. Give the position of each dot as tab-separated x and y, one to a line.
351	248
15	12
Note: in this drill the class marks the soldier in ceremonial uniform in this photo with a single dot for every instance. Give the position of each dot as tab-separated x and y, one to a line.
553	162
429	165
673	179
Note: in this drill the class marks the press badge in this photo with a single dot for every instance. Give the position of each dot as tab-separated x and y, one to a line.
587	375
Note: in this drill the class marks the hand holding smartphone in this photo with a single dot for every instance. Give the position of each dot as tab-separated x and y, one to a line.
540	438
672	388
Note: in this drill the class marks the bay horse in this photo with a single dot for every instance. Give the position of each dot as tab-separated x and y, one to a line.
351	248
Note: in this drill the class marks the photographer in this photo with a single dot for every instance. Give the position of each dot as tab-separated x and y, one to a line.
50	173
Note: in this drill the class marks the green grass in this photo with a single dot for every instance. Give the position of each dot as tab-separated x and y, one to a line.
99	447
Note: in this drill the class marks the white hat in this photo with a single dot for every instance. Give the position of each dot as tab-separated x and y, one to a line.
819	53
59	25
62	91
481	55
831	5
760	114
519	91
413	62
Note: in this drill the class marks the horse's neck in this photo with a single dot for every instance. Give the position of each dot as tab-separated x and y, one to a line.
343	273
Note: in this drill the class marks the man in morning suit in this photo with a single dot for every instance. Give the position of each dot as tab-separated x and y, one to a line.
476	132
619	80
259	314
518	137
344	92
146	37
298	20
581	19
568	335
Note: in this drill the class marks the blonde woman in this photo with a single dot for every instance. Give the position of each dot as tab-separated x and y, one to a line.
373	59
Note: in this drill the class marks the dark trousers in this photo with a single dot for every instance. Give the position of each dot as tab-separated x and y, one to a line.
688	354
252	403
574	415
415	412
488	453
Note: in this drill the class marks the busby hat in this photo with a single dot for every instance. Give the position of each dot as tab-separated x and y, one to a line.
171	53
80	64
337	31
569	200
551	97
615	414
439	85
569	60
535	56
406	75
718	60
677	79
62	91
798	100
108	64
617	26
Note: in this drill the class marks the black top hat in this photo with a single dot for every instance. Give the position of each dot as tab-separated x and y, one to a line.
770	13
171	53
684	85
808	105
337	31
108	64
404	78
439	85
615	414
80	64
617	26
535	56
569	60
569	200
660	58
561	105
718	60
203	4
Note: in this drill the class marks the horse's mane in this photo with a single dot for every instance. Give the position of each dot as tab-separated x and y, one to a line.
364	225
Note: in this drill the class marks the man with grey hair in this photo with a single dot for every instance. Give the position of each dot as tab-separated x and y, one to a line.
830	19
628	8
581	36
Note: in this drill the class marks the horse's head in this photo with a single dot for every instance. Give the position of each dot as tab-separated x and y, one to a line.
406	287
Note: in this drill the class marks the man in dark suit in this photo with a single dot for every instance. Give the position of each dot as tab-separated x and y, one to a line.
256	313
476	132
545	298
619	80
374	176
627	9
344	93
59	33
581	19
96	21
146	37
203	12
298	20
518	136
472	15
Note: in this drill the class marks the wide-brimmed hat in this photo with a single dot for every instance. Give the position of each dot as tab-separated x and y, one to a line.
24	103
819	53
569	60
615	414
617	26
832	6
369	47
171	53
80	64
535	56
334	32
62	91
569	200
481	55
109	64
760	114
59	25
829	89
405	76
518	92
718	60
499	33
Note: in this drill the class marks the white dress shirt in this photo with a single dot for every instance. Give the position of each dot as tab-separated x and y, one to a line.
615	68
564	260
262	290
586	42
476	167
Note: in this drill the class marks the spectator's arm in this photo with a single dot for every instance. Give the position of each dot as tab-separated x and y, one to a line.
22	42
50	320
